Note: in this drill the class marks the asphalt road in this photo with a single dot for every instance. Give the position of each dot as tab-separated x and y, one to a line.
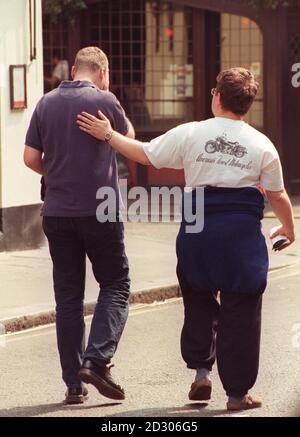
149	365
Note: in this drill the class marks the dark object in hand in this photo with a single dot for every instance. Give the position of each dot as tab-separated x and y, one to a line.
280	241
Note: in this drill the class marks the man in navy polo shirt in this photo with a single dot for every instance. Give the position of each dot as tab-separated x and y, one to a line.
74	168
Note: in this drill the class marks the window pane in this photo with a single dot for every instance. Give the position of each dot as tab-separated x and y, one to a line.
150	51
242	45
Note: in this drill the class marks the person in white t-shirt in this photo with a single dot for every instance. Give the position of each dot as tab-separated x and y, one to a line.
60	71
231	160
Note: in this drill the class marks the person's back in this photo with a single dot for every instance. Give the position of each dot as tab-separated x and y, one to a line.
222	268
220	152
75	165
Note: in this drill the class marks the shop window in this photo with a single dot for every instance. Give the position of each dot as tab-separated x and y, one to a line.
149	45
242	46
55	41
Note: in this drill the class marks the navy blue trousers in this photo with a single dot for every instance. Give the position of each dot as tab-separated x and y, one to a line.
70	240
228	257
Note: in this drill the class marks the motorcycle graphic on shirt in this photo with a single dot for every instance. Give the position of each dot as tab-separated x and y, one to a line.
222	145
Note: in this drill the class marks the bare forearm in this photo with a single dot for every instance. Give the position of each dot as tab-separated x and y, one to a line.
37	167
282	208
130	148
52	81
131	131
33	160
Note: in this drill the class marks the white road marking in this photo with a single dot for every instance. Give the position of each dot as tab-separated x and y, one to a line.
287	275
139	309
287	267
44	330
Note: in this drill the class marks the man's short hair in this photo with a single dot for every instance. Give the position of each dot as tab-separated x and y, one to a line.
237	88
92	59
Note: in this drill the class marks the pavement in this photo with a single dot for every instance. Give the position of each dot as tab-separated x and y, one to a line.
26	292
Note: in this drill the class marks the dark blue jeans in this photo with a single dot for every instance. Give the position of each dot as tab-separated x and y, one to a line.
70	240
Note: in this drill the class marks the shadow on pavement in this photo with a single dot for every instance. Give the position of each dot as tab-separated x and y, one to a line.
189	410
40	410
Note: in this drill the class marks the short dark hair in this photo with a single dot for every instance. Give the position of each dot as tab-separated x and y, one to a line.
237	88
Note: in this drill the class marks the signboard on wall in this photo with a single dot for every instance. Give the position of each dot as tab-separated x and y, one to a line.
184	80
255	68
18	87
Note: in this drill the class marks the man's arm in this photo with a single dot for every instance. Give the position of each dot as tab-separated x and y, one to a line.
131	131
57	76
127	146
52	81
33	159
282	207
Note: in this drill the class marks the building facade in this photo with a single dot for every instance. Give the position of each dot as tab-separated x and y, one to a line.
21	86
164	58
165	55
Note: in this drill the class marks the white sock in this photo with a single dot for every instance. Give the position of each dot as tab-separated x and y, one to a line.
235	400
202	373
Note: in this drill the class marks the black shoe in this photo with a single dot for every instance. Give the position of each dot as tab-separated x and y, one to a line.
100	377
76	395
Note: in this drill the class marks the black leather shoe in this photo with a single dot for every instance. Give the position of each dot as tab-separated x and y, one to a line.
100	377
76	395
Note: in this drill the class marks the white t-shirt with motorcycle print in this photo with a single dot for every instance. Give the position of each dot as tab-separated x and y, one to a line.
219	152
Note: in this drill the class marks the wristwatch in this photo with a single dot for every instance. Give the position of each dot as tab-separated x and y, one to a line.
108	136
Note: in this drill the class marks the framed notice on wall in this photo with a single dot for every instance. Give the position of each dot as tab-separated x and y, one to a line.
18	87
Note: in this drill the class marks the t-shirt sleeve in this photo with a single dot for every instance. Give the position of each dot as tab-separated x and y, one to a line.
33	136
58	71
61	71
166	151
120	118
271	177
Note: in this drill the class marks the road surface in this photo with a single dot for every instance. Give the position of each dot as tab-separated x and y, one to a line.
149	365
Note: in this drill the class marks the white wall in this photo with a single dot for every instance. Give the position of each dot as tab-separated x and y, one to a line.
18	185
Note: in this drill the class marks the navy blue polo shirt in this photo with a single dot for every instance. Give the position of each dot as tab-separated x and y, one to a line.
75	164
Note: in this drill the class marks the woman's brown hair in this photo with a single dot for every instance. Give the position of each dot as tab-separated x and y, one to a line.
237	88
